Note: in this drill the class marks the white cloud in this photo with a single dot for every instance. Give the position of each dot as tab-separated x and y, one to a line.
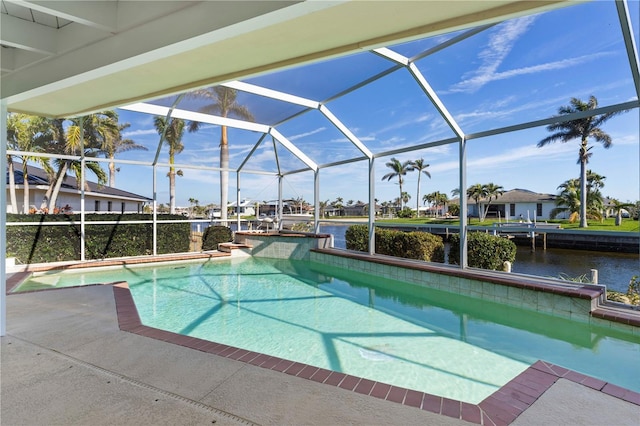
309	133
498	48
139	132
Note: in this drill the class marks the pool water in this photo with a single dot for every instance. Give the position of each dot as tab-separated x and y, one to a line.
384	330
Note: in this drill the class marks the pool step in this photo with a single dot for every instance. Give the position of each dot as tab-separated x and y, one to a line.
229	247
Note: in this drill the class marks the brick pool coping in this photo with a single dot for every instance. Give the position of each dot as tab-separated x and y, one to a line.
500	408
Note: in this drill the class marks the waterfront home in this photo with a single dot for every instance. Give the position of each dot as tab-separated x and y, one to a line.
515	204
98	198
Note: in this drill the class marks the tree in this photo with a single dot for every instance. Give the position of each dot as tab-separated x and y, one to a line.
617	208
569	198
442	200
194	206
476	192
323	207
77	136
223	103
491	192
436	199
23	134
582	129
399	170
113	144
406	197
173	132
421	167
338	205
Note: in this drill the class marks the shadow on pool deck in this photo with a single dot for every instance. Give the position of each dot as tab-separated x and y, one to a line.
65	360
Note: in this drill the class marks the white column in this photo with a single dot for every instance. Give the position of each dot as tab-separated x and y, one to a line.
155	212
3	218
372	207
316	201
238	201
280	207
83	180
463	203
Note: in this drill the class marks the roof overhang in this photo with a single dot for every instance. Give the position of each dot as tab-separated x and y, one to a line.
139	50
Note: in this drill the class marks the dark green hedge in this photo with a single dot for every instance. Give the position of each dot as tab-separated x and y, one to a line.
410	245
45	243
484	250
214	235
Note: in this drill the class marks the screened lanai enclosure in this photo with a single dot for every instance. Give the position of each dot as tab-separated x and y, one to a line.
473	100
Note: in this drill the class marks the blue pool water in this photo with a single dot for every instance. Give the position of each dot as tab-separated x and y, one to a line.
366	326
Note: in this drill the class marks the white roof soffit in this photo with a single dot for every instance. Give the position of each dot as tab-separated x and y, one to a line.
115	52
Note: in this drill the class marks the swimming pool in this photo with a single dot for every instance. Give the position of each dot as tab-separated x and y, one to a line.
384	330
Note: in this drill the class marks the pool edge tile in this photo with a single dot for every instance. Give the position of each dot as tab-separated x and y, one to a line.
500	408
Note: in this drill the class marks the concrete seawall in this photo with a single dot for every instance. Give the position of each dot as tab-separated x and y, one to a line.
581	241
617	242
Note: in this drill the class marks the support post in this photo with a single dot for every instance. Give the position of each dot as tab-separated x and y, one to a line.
3	219
238	202
463	203
83	180
316	201
280	206
155	212
372	207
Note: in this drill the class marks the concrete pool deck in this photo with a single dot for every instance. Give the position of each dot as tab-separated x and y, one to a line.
65	360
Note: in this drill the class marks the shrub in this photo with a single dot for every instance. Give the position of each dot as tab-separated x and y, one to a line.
483	250
42	244
215	235
406	213
357	237
631	297
409	245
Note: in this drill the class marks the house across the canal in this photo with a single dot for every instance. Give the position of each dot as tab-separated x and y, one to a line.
515	204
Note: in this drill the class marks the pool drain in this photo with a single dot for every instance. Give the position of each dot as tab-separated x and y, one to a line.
134	382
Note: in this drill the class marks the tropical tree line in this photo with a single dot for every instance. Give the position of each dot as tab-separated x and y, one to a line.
95	135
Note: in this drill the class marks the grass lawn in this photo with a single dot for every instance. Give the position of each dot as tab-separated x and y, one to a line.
628	225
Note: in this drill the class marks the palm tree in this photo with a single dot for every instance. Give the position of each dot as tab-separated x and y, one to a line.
569	199
223	103
421	167
173	131
583	129
399	170
82	135
476	192
430	198
617	207
406	197
491	191
338	205
114	144
17	135
323	207
443	200
194	206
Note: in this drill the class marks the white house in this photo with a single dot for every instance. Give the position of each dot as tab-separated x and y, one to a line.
516	204
246	207
98	199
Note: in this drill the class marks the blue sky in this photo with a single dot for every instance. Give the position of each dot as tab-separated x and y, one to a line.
517	71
